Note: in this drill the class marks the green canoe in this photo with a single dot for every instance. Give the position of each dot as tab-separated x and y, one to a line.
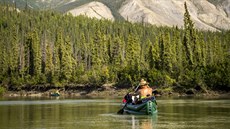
54	94
148	106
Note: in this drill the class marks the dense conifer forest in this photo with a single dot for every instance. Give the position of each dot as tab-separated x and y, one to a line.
51	49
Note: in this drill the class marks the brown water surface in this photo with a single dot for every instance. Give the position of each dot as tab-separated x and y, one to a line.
78	113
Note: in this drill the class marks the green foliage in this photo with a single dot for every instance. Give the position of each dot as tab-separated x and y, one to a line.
189	40
2	90
218	76
159	78
44	47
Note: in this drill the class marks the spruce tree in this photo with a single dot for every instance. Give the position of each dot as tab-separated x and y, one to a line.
66	59
189	37
132	50
49	67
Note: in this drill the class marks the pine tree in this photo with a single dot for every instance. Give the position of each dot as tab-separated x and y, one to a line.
189	37
202	53
65	59
37	54
14	52
3	60
57	55
161	52
116	51
95	49
168	55
180	53
49	67
132	50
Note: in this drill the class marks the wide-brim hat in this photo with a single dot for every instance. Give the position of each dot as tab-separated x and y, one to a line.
143	82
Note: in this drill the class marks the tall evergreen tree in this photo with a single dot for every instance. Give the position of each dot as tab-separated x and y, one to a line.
189	38
132	52
49	67
66	60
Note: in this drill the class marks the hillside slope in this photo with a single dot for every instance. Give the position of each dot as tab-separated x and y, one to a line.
170	13
206	14
93	9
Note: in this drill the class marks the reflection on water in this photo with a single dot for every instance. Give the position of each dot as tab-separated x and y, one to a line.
62	113
147	122
133	121
115	121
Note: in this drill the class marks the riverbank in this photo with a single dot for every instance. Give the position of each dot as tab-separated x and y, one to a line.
100	91
68	91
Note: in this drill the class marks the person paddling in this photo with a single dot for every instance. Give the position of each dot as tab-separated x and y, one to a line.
143	89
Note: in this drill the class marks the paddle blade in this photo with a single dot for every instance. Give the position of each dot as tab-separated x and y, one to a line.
120	111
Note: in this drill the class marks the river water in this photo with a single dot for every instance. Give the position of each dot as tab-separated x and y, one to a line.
79	113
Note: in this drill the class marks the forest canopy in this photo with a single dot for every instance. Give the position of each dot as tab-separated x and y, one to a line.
46	47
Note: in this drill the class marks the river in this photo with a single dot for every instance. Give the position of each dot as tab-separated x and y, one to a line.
88	113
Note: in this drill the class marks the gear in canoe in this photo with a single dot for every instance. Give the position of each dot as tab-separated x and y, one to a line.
57	93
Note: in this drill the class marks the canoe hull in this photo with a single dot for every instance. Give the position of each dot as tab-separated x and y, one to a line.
54	94
147	108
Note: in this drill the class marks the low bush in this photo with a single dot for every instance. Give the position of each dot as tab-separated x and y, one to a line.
2	90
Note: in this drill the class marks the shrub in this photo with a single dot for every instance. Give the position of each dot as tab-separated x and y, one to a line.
2	90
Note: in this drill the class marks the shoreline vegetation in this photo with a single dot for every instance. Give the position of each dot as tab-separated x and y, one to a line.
45	47
107	90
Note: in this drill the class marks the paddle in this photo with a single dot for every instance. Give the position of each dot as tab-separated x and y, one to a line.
121	111
137	88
